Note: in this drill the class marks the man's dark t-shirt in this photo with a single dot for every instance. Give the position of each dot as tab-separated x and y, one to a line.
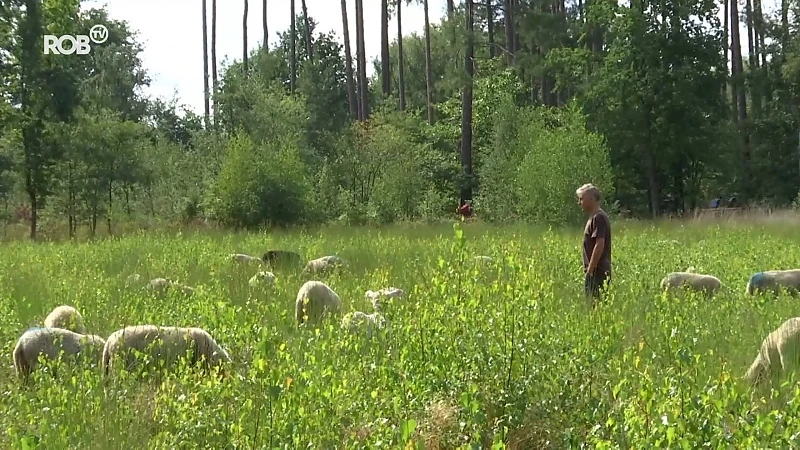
598	226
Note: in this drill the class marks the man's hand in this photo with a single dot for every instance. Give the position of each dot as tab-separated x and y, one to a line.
591	268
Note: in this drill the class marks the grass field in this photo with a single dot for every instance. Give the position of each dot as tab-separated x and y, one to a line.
506	355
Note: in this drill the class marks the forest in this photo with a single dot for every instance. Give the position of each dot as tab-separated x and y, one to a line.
511	104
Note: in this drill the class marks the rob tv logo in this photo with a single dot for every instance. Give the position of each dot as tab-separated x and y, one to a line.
69	44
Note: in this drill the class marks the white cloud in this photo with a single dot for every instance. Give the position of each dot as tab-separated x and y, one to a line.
172	33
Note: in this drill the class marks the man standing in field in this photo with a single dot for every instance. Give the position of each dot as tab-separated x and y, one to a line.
596	242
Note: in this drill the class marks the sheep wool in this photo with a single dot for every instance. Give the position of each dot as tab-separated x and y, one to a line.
390	292
54	344
707	284
262	278
355	320
773	281
161	285
242	258
65	317
165	345
313	299
778	354
324	264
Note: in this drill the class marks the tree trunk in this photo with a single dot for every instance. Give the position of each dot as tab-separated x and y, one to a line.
428	70
34	199
244	39
451	8
110	206
206	105
264	24
292	49
385	69
362	61
215	83
508	20
726	45
348	56
401	85
466	109
307	24
739	94
490	28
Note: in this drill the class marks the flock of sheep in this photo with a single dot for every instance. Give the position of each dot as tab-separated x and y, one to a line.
780	350
65	334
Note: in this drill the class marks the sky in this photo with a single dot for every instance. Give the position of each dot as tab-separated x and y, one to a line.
172	34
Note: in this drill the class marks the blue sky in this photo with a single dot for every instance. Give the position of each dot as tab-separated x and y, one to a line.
171	32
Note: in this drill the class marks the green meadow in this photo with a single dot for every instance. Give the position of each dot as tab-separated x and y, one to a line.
506	355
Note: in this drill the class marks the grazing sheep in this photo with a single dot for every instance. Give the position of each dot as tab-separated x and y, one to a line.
282	258
161	285
65	317
778	354
390	292
165	345
707	284
774	280
324	264
51	342
313	299
262	278
242	258
355	320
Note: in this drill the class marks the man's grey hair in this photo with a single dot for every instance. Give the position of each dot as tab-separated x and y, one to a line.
588	188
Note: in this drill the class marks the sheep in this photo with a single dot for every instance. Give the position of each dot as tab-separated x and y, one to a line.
161	285
313	299
773	280
324	264
281	258
262	278
352	321
165	345
65	317
707	284
390	292
50	343
242	258
778	354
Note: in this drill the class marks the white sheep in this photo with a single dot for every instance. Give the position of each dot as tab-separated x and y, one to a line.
707	284
355	320
313	299
242	258
53	344
778	354
161	285
390	292
262	278
324	264
773	280
165	345
65	317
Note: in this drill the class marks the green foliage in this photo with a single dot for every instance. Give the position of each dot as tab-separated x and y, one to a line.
260	184
505	355
539	158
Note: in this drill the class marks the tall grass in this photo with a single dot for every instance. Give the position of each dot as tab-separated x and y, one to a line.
504	356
